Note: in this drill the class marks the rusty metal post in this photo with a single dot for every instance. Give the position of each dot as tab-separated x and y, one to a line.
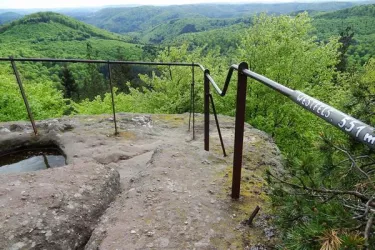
190	108
218	126
193	86
191	102
239	130
206	111
30	114
112	96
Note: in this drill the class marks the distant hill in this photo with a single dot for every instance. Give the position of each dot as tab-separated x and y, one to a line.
50	34
137	19
8	17
361	10
172	29
51	19
358	19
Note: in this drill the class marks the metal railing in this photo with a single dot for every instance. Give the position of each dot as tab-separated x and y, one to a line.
109	63
359	130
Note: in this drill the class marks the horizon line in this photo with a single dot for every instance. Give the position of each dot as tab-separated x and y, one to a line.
165	5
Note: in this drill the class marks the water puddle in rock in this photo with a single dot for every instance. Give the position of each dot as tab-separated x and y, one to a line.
31	160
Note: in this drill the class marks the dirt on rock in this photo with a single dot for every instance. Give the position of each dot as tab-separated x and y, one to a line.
172	193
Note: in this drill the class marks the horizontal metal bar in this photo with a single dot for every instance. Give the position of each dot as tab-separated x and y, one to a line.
227	80
129	63
272	84
99	61
348	124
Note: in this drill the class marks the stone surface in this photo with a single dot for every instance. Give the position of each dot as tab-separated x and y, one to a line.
174	195
55	208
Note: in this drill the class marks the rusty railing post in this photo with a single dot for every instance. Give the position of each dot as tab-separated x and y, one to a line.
112	96
18	78
217	125
192	99
239	130
206	111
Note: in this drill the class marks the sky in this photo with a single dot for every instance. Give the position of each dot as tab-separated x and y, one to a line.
28	4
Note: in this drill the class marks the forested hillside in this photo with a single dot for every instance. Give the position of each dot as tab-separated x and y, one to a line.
48	34
356	25
125	20
170	31
325	197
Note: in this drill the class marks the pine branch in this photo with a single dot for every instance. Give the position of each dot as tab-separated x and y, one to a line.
354	163
359	195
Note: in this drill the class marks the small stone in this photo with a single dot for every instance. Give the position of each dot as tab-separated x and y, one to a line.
66	127
150	233
133	232
49	233
16	127
211	192
206	162
4	130
186	222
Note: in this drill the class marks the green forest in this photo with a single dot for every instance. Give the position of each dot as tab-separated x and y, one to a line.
325	199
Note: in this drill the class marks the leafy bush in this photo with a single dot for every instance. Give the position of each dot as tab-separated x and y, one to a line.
45	101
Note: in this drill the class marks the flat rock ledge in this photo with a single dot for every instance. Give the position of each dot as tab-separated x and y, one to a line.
54	208
150	187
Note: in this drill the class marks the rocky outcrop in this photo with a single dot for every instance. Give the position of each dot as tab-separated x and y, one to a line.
173	194
56	208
